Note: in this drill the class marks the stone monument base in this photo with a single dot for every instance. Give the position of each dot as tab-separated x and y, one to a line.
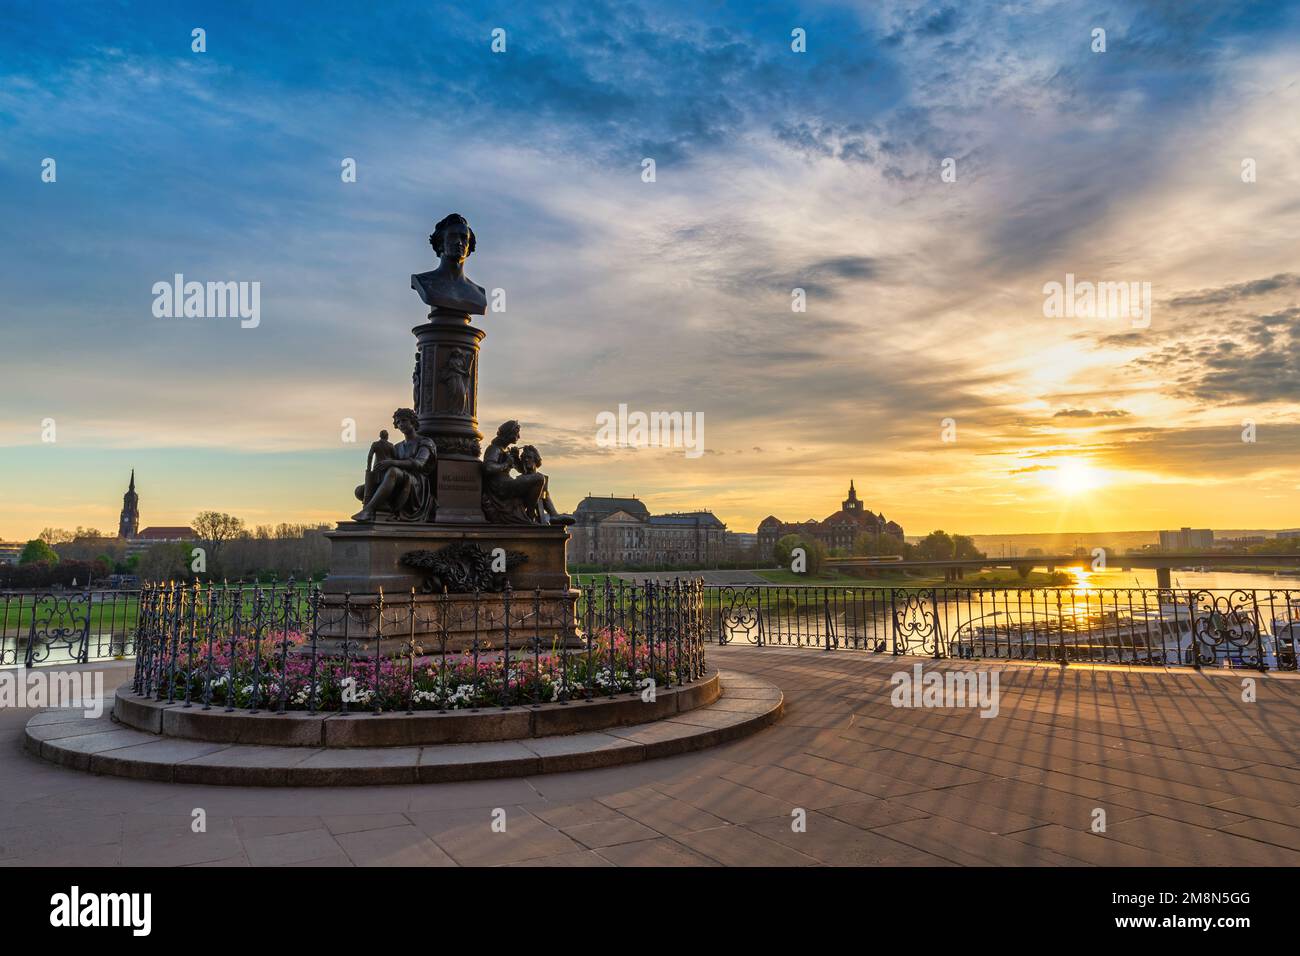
366	558
440	623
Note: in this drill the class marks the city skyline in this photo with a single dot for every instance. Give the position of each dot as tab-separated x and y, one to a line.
926	311
991	539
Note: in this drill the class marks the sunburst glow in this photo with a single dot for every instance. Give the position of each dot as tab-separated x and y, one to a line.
1074	477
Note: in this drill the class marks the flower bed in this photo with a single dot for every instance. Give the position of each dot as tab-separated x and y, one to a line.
279	672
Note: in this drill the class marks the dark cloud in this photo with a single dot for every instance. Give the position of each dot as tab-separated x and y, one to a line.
941	23
823	279
850	143
1088	413
1201	452
1238	291
1242	362
1218	358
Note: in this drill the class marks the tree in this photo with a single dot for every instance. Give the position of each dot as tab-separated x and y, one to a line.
281	550
814	552
936	546
88	544
53	536
214	529
964	547
165	561
37	551
877	544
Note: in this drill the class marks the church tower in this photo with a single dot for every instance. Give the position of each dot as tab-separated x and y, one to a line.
851	504
128	525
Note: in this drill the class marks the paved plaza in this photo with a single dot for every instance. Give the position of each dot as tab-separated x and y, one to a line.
1183	771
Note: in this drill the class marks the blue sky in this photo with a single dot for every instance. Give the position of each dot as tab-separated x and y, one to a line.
775	170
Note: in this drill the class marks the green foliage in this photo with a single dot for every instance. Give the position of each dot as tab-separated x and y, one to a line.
870	544
165	561
36	551
964	547
936	546
814	552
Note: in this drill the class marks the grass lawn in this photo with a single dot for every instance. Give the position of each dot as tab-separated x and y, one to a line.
115	614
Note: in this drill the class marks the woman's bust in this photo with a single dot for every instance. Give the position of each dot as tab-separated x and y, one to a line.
447	287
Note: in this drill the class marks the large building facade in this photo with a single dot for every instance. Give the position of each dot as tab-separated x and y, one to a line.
836	531
614	532
1187	539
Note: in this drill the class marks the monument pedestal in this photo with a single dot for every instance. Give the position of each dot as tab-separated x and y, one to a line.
367	557
446	401
459	490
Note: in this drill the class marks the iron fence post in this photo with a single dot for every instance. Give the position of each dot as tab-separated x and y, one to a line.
1261	664
893	621
83	656
938	624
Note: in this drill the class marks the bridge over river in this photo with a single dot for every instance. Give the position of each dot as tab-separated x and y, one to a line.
1163	564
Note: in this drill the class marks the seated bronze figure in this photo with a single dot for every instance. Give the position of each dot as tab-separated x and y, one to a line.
530	460
506	499
402	487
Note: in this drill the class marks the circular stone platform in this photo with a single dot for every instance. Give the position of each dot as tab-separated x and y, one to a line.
743	705
361	728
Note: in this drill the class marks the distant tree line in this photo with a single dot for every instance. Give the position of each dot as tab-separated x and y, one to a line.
936	546
229	551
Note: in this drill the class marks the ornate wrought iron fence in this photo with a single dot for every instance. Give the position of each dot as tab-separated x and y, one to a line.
66	626
658	623
279	648
1160	626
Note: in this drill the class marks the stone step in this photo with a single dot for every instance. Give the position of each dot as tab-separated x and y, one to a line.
102	746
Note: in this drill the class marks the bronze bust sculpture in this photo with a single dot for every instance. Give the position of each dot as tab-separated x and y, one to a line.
404	483
447	287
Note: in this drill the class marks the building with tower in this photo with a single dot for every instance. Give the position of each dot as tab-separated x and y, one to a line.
128	525
836	531
137	540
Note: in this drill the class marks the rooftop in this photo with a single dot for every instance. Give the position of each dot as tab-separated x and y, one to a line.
166	533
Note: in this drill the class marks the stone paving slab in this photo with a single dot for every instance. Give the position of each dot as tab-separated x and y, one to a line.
927	787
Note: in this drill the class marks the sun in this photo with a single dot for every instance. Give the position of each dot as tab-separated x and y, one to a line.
1075	477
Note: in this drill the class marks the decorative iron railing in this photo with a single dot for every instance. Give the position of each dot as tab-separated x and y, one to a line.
67	626
281	648
1173	627
1159	626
